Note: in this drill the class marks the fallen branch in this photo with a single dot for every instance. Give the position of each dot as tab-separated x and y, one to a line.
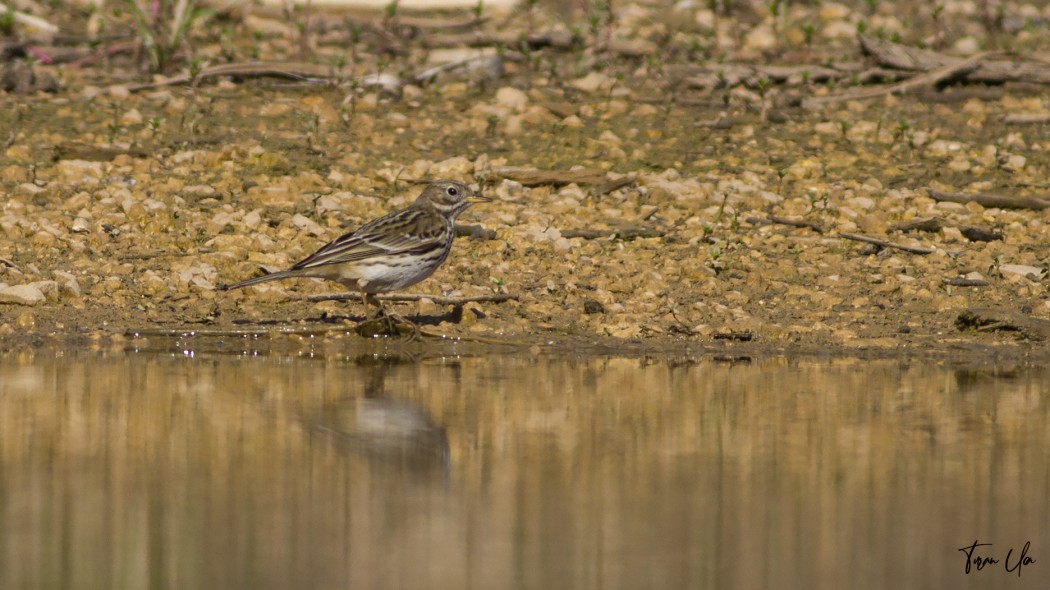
929	224
977	234
490	65
813	225
439	300
233	332
884	244
985	71
302	72
936	224
965	282
987	319
932	78
534	177
997	201
1026	118
750	75
626	233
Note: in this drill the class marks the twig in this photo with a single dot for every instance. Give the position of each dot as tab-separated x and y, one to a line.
985	319
904	57
153	332
304	72
491	64
1026	118
930	78
498	298
122	47
813	225
965	282
998	201
929	224
885	244
533	176
625	233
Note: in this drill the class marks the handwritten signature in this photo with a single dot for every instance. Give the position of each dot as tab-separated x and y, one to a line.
976	561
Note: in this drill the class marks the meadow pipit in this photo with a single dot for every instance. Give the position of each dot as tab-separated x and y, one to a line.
391	252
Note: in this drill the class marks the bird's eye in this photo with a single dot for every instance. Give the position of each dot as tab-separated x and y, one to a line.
452	191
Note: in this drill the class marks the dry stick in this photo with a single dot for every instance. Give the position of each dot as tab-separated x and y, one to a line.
929	224
928	79
990	318
885	244
295	71
1026	118
298	331
997	201
905	57
534	176
416	297
813	225
623	233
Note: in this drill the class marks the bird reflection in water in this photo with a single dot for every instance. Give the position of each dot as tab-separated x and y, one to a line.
391	432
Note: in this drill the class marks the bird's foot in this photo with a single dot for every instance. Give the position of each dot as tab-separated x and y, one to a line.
388	324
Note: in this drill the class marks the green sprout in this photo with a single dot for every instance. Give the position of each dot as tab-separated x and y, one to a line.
162	26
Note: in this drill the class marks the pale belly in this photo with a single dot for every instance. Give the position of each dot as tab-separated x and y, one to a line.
376	277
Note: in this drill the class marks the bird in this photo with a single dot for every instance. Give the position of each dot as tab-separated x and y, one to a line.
390	252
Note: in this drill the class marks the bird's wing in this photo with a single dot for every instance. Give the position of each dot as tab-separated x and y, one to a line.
389	235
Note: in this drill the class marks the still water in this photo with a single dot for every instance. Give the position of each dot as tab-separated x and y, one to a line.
175	467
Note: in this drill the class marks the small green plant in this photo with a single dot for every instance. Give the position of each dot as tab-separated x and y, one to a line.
114	122
7	22
775	8
809	29
491	124
196	67
776	11
530	23
390	14
902	129
938	32
162	26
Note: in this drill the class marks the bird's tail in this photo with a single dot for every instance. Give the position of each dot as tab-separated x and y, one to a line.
256	280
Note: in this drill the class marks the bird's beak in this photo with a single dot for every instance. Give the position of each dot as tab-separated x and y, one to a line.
475	198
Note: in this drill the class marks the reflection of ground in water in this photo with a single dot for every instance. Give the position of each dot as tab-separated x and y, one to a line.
161	470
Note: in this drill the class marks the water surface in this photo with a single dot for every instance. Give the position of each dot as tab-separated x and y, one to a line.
388	468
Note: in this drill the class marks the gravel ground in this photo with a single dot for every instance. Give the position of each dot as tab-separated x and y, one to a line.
636	202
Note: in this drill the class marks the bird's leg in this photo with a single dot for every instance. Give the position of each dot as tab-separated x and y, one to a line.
392	324
370	299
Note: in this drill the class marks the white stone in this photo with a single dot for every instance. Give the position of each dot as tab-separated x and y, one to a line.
68	282
593	82
131	117
1021	269
22	295
967	46
512	98
833	11
306	224
839	29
